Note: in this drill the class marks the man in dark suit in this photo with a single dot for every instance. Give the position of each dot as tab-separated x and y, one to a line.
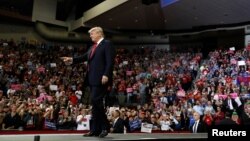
229	105
199	126
118	123
99	77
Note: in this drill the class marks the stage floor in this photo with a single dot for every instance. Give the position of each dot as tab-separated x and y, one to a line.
110	137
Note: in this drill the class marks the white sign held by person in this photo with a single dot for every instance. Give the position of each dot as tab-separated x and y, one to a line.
241	63
5	44
125	62
232	48
162	89
52	65
233	61
181	93
237	100
53	87
146	128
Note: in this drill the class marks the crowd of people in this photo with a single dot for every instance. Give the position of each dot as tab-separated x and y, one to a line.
38	91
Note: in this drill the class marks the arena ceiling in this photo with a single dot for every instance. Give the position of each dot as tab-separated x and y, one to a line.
153	15
180	15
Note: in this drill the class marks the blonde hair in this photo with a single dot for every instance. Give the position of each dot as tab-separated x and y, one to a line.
97	29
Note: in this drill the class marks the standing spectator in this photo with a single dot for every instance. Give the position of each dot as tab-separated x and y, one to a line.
78	93
134	122
229	105
83	120
219	115
12	120
121	92
73	98
198	108
66	121
118	123
209	108
48	119
208	118
142	91
129	90
153	120
165	122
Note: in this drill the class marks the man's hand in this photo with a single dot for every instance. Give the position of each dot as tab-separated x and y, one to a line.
105	79
67	60
111	130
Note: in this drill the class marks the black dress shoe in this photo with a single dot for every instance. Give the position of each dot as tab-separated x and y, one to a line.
103	134
90	134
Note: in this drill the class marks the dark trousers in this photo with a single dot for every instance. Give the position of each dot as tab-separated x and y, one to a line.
99	117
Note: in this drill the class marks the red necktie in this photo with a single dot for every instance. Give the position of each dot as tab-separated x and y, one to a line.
93	50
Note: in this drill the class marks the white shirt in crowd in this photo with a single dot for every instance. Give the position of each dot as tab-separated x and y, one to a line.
164	100
199	109
83	122
10	91
78	94
59	94
230	104
165	125
210	109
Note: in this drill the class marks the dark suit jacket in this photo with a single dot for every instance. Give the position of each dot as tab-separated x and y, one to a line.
201	127
101	63
226	106
118	126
